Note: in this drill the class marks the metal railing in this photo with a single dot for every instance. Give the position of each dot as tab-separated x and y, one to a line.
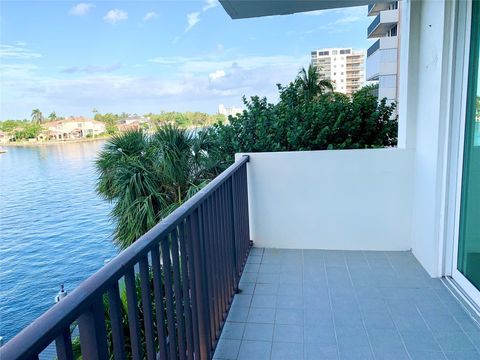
166	296
375	23
375	46
370	7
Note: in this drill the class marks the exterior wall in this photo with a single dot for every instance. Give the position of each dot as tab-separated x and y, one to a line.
424	122
344	199
382	64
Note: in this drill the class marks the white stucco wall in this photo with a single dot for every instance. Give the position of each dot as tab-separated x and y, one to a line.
424	92
345	199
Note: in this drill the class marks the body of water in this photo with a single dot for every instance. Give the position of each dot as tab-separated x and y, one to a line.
53	227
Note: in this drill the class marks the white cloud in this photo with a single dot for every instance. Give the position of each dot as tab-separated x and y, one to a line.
216	75
18	51
341	18
175	39
209	64
150	15
81	9
91	69
192	20
196	84
210	4
115	15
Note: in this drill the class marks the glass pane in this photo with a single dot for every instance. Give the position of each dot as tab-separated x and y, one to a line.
469	240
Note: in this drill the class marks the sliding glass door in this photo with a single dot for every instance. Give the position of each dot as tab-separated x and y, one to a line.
468	251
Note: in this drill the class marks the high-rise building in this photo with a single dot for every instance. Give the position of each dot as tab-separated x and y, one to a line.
343	66
229	110
382	56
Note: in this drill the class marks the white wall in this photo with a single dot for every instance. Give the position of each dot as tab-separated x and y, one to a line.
345	199
424	84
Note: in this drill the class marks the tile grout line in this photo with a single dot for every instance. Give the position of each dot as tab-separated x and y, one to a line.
356	298
331	305
396	327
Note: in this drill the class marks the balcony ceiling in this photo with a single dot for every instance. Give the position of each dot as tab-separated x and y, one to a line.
240	9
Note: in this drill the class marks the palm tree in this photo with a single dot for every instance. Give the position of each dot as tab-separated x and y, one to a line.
311	84
147	177
37	116
52	116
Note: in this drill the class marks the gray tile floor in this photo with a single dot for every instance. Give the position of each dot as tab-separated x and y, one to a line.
315	304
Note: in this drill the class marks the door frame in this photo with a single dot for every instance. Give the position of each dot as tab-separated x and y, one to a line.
468	290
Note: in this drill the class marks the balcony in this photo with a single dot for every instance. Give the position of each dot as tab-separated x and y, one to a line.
382	58
359	292
375	46
374	9
382	23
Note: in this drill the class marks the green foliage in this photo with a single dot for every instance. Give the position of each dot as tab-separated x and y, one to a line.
37	116
310	120
9	126
110	121
124	320
186	119
29	131
147	177
52	116
311	86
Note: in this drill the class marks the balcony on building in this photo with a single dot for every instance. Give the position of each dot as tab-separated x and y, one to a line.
382	58
382	23
335	254
376	8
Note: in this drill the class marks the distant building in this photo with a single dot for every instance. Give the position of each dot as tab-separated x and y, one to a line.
382	56
133	119
133	123
4	138
343	66
71	128
227	111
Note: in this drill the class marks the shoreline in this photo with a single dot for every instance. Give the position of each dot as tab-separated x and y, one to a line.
56	142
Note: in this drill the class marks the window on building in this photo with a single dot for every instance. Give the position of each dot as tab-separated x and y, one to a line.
334	52
334	73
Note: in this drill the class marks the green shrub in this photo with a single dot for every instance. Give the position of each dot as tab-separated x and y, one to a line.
324	122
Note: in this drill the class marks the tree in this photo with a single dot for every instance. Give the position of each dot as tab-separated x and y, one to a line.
147	177
311	84
298	123
52	116
37	116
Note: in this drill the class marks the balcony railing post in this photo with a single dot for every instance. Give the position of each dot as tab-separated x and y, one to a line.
233	215
93	333
63	344
203	312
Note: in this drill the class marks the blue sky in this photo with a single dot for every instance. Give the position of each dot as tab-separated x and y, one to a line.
148	56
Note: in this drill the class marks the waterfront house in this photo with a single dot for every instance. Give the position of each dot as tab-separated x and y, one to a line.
133	123
358	254
71	128
4	138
